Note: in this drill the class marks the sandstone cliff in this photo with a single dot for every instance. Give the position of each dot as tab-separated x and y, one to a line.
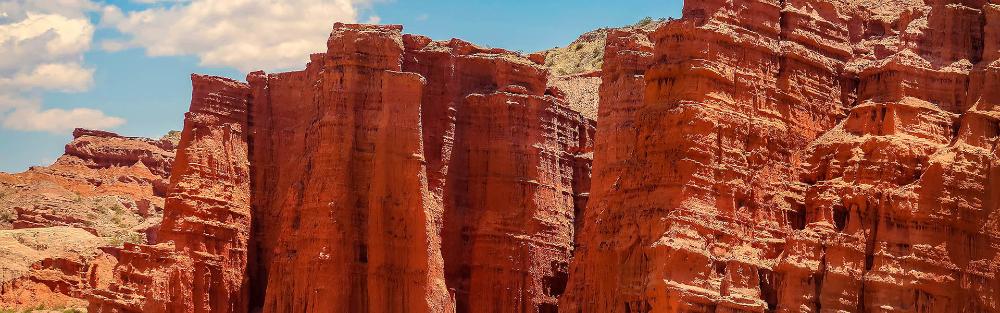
576	68
50	267
200	261
393	174
796	156
105	190
753	156
448	171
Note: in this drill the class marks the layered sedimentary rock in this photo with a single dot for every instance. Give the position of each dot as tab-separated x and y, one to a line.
200	263
108	184
905	183
393	174
576	68
50	267
105	190
754	156
509	221
347	224
796	156
500	151
436	172
503	158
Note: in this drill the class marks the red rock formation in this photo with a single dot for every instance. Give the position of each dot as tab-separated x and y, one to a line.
754	156
101	149
51	267
376	200
108	185
494	141
899	215
62	281
99	169
746	187
511	222
346	221
201	264
389	171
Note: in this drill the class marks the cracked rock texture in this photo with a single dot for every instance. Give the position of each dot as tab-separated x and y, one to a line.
51	266
200	261
797	156
393	174
400	174
753	156
104	191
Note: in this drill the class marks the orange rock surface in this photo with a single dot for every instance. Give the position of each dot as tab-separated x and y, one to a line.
439	171
501	150
346	224
753	156
105	190
393	174
796	156
100	171
51	267
200	262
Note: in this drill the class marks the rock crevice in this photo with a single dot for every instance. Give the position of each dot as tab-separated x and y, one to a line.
393	174
752	156
813	148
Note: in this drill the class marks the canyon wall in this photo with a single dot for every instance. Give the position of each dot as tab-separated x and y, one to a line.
200	262
503	152
105	190
796	156
346	223
753	156
393	174
400	174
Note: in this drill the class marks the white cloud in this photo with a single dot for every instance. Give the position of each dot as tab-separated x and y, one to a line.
243	34
58	121
159	1
10	102
41	49
66	77
42	38
114	45
14	10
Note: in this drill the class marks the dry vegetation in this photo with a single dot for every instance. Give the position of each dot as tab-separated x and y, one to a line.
569	66
586	54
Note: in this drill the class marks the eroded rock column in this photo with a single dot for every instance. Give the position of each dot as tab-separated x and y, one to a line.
200	266
343	185
801	156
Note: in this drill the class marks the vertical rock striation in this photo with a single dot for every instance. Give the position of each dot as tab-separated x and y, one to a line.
200	264
627	55
400	174
754	156
797	156
106	186
341	185
393	174
502	152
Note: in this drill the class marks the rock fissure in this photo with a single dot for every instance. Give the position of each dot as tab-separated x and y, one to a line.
752	156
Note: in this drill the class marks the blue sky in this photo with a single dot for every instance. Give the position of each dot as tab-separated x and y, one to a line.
134	68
